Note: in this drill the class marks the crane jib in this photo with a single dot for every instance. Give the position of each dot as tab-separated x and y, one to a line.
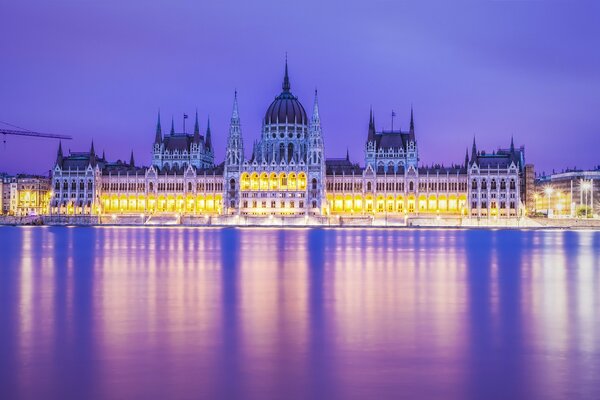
34	134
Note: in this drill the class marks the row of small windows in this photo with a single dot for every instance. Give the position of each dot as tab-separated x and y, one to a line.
74	185
493	204
273	204
493	184
161	186
397	186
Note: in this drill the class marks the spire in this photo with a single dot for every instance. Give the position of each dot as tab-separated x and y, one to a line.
512	144
172	126
196	129
208	140
286	78
235	115
131	161
315	115
371	135
59	154
412	120
103	156
158	137
473	150
92	154
467	158
347	154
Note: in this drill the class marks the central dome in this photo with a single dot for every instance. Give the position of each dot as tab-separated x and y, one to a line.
286	107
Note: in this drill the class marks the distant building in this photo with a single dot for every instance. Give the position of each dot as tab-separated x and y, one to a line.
568	193
287	174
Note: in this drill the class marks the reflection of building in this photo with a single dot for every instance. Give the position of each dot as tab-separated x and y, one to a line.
569	193
287	174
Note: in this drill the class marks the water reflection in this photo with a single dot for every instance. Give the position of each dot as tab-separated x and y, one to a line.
298	313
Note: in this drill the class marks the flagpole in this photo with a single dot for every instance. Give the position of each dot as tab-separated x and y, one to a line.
184	123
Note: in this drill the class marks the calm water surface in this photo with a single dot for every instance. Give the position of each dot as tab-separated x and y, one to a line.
123	313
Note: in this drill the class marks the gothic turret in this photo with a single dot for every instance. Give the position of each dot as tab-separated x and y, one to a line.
371	134
59	155
92	155
158	136
235	144
208	139
197	138
473	151
172	126
131	160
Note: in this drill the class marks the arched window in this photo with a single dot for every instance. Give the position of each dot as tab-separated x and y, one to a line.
65	185
57	185
512	184
90	186
484	184
189	186
290	152
493	184
314	204
81	185
151	186
73	185
314	184
232	184
411	186
369	186
474	184
281	151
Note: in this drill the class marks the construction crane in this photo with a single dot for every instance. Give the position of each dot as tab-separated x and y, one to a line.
25	132
33	134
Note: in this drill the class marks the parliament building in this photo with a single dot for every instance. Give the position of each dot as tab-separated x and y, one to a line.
287	174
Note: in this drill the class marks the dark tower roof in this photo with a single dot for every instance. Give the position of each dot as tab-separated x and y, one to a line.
197	137
208	141
59	154
286	106
371	135
158	137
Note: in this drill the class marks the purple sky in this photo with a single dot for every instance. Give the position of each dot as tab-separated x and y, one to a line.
493	69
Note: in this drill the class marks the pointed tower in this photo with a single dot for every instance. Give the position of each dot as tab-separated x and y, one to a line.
92	155
172	126
235	144
412	121
197	138
286	79
512	144
158	136
347	154
59	155
208	139
131	160
473	150
371	134
467	158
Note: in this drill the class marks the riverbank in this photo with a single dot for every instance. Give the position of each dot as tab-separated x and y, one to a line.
335	221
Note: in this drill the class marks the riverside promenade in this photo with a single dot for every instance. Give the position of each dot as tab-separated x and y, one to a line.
332	221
